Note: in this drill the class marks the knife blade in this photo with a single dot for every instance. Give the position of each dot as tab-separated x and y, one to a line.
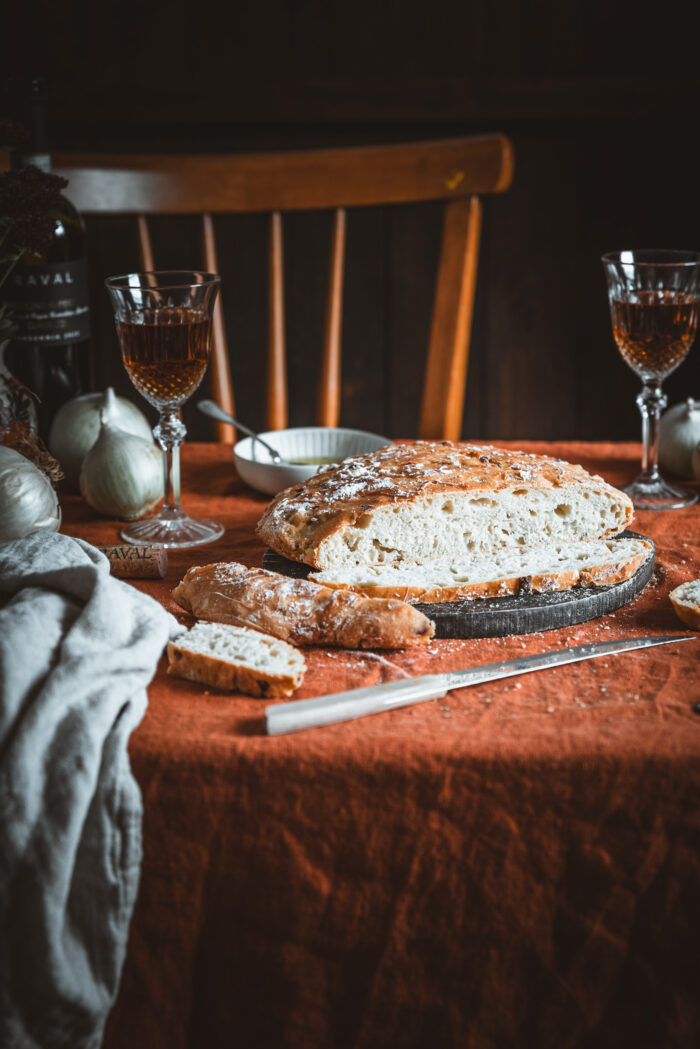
373	699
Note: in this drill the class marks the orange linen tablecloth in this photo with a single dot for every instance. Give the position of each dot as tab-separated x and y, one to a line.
515	865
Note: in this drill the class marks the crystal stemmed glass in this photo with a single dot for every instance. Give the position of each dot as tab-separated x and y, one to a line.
654	298
163	322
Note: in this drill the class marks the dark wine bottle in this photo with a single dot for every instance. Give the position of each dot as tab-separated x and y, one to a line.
48	296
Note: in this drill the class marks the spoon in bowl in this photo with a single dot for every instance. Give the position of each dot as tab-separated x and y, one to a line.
212	409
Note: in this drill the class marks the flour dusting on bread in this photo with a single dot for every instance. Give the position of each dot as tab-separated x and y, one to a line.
299	611
429	500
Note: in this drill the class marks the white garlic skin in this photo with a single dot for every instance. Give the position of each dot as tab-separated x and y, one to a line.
76	427
122	475
679	434
27	500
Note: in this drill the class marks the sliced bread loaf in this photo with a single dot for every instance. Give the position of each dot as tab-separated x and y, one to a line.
686	603
236	659
516	570
427	501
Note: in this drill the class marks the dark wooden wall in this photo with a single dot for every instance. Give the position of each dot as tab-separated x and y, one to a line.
598	97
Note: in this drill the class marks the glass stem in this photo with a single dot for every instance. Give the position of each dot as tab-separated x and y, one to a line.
169	433
652	402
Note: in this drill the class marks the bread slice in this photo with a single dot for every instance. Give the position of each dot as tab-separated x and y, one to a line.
686	603
299	611
428	501
513	571
236	659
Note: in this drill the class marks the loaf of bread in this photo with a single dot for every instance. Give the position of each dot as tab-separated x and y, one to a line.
686	603
429	501
236	659
516	570
299	611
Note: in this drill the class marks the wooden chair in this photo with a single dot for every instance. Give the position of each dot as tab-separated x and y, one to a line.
458	171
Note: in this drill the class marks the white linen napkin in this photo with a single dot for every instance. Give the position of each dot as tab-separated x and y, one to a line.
77	649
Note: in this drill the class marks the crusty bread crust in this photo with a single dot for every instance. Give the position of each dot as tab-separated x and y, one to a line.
304	521
598	575
688	612
208	670
299	611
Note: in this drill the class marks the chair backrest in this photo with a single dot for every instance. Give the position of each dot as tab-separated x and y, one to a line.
458	171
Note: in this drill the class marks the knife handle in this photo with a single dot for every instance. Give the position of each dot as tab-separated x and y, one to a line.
344	706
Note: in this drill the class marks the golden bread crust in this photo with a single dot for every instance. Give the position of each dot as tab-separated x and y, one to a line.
688	613
299	611
599	575
299	519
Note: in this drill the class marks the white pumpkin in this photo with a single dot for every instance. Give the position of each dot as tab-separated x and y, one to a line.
696	463
27	500
679	434
122	475
77	424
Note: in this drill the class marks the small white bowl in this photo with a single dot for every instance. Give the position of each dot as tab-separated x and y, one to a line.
256	468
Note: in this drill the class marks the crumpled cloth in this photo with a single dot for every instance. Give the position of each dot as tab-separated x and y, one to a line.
77	650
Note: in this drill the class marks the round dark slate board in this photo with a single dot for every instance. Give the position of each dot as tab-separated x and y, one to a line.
526	614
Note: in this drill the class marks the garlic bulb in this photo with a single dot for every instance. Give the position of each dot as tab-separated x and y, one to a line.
77	424
679	433
27	500
122	475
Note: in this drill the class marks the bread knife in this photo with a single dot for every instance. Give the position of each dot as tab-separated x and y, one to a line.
373	699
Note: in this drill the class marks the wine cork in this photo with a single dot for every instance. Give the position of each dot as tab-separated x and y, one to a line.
136	562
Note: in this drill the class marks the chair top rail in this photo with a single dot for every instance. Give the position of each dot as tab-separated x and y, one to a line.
298	180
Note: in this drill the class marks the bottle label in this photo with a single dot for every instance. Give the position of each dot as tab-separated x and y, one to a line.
49	303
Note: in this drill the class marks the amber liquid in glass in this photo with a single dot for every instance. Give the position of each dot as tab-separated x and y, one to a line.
166	352
655	331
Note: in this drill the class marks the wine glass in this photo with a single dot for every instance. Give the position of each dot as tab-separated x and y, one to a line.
163	322
654	298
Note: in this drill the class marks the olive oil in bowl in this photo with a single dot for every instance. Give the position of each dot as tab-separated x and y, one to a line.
314	460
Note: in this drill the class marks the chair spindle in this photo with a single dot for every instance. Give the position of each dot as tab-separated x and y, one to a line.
448	354
330	383
220	370
276	362
145	246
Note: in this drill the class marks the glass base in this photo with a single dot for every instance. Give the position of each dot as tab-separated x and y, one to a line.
656	494
172	529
